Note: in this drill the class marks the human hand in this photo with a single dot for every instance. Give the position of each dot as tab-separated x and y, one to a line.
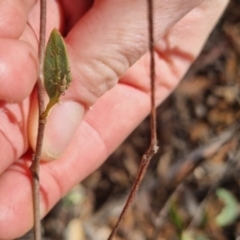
106	41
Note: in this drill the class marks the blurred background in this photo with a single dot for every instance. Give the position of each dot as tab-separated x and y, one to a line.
192	187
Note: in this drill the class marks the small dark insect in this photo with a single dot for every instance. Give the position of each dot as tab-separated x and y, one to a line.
62	85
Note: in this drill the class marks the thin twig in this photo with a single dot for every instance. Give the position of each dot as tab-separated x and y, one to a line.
153	145
41	125
179	171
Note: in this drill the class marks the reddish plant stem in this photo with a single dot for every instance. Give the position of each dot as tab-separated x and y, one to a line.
41	125
153	144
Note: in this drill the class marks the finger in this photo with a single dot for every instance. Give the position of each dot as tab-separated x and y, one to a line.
13	17
102	46
13	132
98	135
17	74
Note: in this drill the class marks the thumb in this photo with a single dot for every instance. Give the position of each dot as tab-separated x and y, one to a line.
63	120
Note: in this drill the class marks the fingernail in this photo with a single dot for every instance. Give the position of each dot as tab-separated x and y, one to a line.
61	126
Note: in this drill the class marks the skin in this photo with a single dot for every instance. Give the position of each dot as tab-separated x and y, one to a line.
107	45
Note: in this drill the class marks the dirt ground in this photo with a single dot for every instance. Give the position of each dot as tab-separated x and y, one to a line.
192	187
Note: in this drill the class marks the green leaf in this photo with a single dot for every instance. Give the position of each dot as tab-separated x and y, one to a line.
56	69
175	217
230	211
